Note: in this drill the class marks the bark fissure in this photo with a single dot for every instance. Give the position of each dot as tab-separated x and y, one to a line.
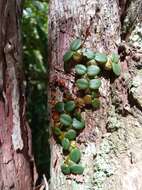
15	170
131	15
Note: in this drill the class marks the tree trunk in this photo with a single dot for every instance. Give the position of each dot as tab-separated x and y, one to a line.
15	146
111	142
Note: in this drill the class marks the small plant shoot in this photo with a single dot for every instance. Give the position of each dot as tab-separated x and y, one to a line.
80	69
100	58
71	134
65	119
75	155
69	106
75	45
59	107
68	55
68	122
65	144
93	70
65	169
77	169
77	124
82	84
89	54
116	68
94	84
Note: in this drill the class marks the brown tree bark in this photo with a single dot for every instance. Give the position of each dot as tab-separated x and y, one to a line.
15	139
111	142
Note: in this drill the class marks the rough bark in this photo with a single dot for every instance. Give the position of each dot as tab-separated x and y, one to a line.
111	141
130	16
15	146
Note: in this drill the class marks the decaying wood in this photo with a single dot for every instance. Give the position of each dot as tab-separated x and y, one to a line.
15	146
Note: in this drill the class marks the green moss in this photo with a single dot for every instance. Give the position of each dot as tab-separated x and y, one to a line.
99	178
102	166
136	89
106	146
113	122
135	37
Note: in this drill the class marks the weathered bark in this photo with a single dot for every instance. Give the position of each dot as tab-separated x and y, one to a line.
112	137
130	16
15	146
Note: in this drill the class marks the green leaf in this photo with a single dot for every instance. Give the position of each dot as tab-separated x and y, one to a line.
76	169
93	70
57	131
94	84
59	107
82	84
80	69
68	55
75	45
65	144
65	119
65	169
75	155
115	58
89	54
78	124
96	103
116	67
70	134
69	106
100	58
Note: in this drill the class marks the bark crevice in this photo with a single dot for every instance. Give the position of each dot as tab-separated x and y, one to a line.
14	136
